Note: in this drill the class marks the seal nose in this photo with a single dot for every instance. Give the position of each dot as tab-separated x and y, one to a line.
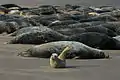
54	55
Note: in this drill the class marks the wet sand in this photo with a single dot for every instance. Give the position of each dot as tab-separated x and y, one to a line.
13	67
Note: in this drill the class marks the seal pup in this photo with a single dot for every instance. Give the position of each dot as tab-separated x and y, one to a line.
59	61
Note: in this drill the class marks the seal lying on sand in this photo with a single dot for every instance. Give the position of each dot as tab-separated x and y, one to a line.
71	31
8	27
30	29
96	40
100	29
65	22
105	18
81	25
114	26
37	37
78	49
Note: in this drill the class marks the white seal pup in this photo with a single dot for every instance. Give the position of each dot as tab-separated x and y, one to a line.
59	61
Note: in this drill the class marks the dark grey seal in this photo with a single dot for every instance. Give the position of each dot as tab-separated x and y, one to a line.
64	22
101	29
8	27
114	26
104	18
96	40
71	31
29	29
38	37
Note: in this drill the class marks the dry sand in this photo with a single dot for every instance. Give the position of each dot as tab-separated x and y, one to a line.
13	67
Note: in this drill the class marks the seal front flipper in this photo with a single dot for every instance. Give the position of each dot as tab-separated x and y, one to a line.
64	53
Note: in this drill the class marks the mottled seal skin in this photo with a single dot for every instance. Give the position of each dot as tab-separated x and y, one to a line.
40	10
96	40
77	50
30	29
43	10
102	9
22	22
85	24
105	18
111	25
3	27
108	8
47	9
64	22
44	20
116	13
12	27
5	17
69	26
48	19
118	31
71	31
94	23
11	6
101	29
37	37
7	27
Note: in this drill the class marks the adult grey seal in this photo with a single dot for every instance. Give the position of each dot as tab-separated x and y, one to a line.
73	30
29	29
104	17
114	26
37	37
44	20
81	25
8	27
64	22
96	40
77	49
100	29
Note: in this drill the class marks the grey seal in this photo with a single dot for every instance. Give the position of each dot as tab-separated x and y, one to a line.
78	49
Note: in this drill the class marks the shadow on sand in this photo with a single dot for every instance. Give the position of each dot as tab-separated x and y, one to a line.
82	66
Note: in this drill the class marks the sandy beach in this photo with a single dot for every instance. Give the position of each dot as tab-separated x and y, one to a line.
13	67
